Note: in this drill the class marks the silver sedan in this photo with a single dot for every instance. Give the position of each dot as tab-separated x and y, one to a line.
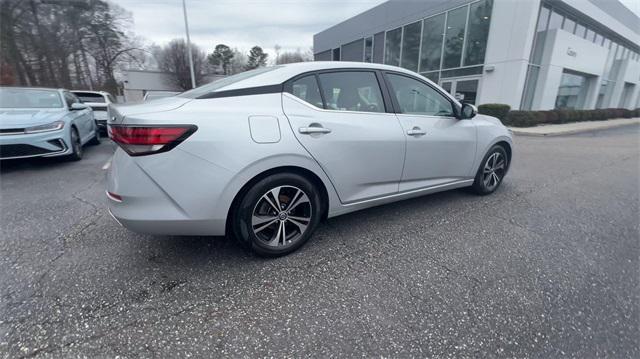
266	155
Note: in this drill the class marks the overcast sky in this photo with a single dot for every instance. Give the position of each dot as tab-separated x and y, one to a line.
245	23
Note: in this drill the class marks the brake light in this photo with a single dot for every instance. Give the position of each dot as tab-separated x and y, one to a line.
146	140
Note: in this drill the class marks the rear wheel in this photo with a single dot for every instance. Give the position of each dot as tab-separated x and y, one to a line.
96	137
278	214
491	172
76	146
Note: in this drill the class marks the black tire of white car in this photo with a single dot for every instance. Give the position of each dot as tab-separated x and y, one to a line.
480	186
96	137
243	225
76	146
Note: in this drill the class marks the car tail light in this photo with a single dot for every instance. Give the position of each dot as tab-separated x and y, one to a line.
146	140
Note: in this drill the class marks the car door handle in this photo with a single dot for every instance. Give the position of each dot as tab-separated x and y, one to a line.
416	131
311	130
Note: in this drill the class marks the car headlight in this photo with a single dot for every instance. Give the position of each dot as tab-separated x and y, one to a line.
53	126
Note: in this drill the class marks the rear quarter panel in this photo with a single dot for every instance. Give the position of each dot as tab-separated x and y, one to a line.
212	165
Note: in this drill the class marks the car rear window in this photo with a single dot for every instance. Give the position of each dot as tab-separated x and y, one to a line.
90	97
212	87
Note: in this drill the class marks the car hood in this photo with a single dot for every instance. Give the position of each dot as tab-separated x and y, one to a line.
21	118
120	111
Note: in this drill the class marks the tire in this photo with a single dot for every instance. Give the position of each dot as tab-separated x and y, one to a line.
274	233
492	169
96	137
76	146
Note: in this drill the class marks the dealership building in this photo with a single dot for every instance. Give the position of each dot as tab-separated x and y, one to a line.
529	54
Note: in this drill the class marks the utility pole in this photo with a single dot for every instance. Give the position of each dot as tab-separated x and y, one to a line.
186	27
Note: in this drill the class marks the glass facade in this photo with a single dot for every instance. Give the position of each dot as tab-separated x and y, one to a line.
411	46
572	91
368	49
477	33
551	18
454	38
432	32
392	42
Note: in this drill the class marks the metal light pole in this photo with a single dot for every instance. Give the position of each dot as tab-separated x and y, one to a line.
186	27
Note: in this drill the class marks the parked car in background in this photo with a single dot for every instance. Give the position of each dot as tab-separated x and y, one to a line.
43	122
265	155
154	95
98	101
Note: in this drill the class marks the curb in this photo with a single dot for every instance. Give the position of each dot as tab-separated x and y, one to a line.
552	133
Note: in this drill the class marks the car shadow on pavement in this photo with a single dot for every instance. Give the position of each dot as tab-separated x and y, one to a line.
39	163
194	251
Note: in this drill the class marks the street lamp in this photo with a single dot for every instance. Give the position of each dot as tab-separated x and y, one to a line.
186	27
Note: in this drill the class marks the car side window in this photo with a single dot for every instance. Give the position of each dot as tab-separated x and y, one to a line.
70	99
306	89
111	99
352	91
418	98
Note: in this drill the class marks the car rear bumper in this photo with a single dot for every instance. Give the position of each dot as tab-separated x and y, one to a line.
45	144
164	194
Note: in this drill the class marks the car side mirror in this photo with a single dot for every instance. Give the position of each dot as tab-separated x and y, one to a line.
468	111
76	106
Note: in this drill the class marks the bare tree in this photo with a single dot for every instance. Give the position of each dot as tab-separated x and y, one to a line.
62	43
174	59
288	57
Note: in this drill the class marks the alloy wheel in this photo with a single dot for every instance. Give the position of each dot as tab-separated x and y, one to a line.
281	216
493	171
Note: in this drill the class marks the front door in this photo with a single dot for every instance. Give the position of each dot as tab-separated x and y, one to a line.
464	89
440	147
346	128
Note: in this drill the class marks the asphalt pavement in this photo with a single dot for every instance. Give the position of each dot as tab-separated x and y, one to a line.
548	266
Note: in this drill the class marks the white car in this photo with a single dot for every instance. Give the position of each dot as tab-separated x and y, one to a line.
98	101
154	95
267	154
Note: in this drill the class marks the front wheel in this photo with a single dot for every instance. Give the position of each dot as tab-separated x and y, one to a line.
278	214
491	172
76	146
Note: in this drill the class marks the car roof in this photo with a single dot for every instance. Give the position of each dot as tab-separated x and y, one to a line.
282	73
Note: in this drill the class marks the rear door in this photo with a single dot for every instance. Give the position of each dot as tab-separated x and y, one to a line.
440	147
340	117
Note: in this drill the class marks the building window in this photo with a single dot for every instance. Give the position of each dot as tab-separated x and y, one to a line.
580	30
478	32
392	43
336	54
368	49
572	91
352	51
569	25
352	91
378	47
530	83
411	46
598	39
432	35
454	37
433	76
590	35
555	22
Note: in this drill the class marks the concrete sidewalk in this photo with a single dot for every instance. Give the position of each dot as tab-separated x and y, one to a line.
575	127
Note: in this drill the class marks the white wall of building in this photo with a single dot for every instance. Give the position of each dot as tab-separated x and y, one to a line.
508	47
564	50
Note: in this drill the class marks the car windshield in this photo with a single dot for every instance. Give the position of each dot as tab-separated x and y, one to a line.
29	98
211	87
90	97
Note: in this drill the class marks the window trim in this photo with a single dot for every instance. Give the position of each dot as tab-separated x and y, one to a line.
287	87
454	106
